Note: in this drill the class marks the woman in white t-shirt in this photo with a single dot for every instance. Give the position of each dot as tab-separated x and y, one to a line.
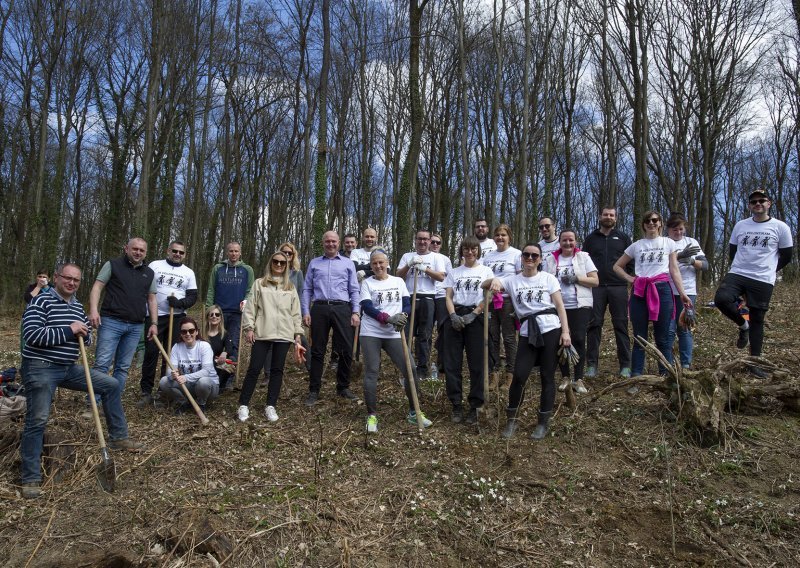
193	360
691	260
655	260
577	275
537	300
386	304
463	331
505	261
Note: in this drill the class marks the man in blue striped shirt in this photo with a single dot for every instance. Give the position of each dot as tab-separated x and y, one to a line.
51	326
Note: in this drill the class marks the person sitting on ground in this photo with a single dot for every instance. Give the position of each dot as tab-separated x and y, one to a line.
222	345
272	324
193	361
386	304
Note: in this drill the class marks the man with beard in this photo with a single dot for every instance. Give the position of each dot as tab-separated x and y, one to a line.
605	245
482	233
547	229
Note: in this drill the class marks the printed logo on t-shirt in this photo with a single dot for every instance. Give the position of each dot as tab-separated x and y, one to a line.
380	297
498	267
755	239
467	284
530	295
652	256
564	271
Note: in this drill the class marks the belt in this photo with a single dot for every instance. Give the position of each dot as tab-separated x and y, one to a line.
331	302
457	306
425	296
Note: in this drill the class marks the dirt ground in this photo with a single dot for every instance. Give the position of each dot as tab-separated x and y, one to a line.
617	483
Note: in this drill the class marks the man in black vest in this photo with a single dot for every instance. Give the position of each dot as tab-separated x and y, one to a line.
130	288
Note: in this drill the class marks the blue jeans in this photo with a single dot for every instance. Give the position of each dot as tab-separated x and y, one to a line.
639	321
685	337
41	379
117	340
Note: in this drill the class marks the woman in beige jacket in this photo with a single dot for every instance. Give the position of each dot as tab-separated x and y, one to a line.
271	323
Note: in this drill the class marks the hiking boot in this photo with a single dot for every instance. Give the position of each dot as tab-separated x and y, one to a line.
347	395
372	424
412	418
564	384
758	372
624	373
182	408
511	423
543	426
579	387
125	445
591	371
457	416
243	413
472	417
145	400
744	338
272	416
312	398
31	490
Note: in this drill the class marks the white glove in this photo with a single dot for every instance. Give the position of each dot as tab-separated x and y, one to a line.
416	262
360	275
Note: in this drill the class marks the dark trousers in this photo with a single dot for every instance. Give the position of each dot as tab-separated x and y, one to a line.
616	299
270	356
661	327
424	318
578	320
528	357
756	293
441	316
325	317
233	323
502	322
470	339
151	351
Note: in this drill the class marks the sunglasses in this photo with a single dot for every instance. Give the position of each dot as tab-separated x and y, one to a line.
758	201
188	331
287	252
436	242
652	221
214	315
180	252
276	262
530	255
545	226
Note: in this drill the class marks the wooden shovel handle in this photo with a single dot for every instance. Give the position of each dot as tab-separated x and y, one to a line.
186	392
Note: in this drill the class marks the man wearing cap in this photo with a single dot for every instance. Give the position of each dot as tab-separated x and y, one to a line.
759	246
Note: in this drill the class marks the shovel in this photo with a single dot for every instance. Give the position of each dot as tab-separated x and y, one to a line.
413	383
356	366
106	471
186	392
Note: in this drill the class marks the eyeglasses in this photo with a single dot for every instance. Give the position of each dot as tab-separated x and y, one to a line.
436	242
758	201
189	331
69	279
287	252
652	221
530	255
276	262
214	315
544	226
180	252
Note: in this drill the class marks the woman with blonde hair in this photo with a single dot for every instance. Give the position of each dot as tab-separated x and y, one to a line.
298	279
222	344
271	323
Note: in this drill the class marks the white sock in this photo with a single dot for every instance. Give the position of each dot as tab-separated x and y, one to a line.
745	325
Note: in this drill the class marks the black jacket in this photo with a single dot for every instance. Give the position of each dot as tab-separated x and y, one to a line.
605	251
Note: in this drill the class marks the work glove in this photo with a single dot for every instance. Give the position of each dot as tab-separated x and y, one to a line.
469	318
690	250
360	275
398	321
457	322
568	354
688	319
173	302
416	262
688	261
569	278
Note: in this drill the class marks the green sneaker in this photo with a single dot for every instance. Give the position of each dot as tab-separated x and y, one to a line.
625	373
372	424
590	372
412	418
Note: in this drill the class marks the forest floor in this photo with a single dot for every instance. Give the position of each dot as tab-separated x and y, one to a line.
616	483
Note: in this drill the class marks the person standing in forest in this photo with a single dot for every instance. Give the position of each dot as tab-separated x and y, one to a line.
439	308
481	231
130	292
228	287
759	247
349	245
361	256
176	288
605	245
331	300
547	229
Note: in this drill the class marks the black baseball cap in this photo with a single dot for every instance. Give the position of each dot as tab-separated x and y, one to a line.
758	193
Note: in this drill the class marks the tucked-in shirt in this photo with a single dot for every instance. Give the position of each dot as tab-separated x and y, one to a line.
531	294
195	363
425	284
331	278
386	296
466	284
688	273
46	328
651	256
757	248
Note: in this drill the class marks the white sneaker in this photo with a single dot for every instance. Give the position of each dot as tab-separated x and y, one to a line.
243	413
564	384
272	416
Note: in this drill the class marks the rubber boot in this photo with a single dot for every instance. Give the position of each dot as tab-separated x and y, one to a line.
542	427
511	423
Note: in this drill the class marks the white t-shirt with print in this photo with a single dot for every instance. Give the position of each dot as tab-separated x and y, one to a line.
387	296
171	281
533	294
651	256
466	284
688	273
549	248
425	284
360	256
503	264
439	286
195	363
487	245
757	248
569	292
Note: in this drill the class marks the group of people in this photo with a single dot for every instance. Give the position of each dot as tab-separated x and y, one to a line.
543	301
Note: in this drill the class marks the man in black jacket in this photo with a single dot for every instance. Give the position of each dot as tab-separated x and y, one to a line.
605	245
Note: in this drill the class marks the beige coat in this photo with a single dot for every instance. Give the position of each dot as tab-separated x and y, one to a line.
273	314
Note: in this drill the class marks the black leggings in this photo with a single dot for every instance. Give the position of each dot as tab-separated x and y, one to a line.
578	320
527	358
756	293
